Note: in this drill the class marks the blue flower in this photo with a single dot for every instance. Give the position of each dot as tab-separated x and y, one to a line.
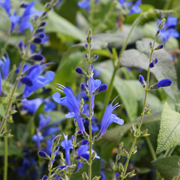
169	29
6	4
95	87
14	19
67	145
85	4
103	176
38	80
32	105
130	7
109	118
71	103
164	83
5	66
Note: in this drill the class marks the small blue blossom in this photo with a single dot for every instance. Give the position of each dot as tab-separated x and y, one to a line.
67	145
85	4
169	29
5	66
164	83
130	7
38	80
6	4
71	103
103	176
109	118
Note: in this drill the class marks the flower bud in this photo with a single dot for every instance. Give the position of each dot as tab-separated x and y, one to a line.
155	61
159	47
41	35
151	65
37	57
85	176
81	71
43	154
37	40
45	177
86	56
21	46
101	88
84	88
142	81
161	25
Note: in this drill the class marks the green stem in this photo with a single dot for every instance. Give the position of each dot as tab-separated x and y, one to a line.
50	169
16	83
91	15
5	155
169	152
90	123
109	92
151	148
142	115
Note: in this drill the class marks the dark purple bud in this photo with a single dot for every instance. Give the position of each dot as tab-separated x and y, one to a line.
80	71
151	65
83	86
95	56
47	5
159	47
23	5
150	45
102	88
56	148
86	56
142	81
37	40
44	14
86	46
21	46
158	32
45	177
41	35
42	24
42	154
164	83
26	80
37	57
61	167
155	61
39	30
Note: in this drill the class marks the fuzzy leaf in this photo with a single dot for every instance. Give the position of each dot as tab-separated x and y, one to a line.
163	69
168	167
169	129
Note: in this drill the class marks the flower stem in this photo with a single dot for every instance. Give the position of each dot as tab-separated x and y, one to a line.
90	123
142	115
151	148
91	15
16	83
5	155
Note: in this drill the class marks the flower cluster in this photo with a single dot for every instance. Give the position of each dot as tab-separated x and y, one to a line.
169	29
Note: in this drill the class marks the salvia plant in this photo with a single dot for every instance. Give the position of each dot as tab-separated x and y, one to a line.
109	110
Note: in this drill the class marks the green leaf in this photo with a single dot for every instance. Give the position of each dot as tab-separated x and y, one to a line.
2	110
56	116
168	167
124	89
169	129
163	69
58	24
65	73
115	134
13	149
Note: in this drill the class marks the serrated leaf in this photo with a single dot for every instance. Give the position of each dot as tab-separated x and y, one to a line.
115	134
168	167
163	69
169	129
